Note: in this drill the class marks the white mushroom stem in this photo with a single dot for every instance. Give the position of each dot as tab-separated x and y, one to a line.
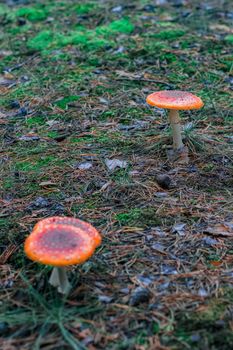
59	279
174	120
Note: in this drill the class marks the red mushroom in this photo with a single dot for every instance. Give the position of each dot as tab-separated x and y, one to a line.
61	241
175	100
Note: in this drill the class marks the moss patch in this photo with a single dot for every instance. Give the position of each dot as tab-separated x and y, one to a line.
141	217
32	14
41	41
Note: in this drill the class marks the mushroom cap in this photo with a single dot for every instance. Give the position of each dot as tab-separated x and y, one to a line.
61	241
174	99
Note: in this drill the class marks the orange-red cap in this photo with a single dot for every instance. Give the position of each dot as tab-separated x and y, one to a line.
61	241
174	99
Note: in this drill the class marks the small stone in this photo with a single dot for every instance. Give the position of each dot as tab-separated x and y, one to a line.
139	295
85	166
163	181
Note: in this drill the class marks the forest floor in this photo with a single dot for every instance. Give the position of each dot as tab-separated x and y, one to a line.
74	79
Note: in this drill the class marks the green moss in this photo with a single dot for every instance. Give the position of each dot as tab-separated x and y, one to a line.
75	38
61	56
8	184
19	92
129	217
24	166
168	56
37	165
32	14
64	102
90	40
84	139
20	29
107	114
141	217
84	9
123	26
41	41
169	34
84	38
154	46
36	120
53	134
4	10
3	223
229	38
166	24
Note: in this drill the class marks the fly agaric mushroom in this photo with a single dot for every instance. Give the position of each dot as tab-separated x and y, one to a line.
61	241
175	100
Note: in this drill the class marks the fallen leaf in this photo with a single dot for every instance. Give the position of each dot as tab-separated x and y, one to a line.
85	166
112	164
221	229
215	263
179	228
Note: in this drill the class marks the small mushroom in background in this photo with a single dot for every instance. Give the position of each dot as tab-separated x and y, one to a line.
175	100
61	241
